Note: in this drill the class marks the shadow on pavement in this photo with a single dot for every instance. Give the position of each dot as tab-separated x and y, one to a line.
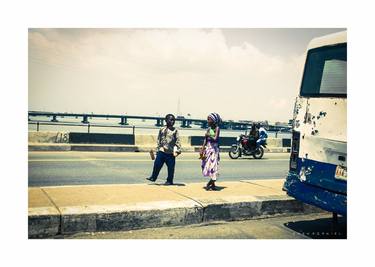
324	228
174	184
218	188
251	158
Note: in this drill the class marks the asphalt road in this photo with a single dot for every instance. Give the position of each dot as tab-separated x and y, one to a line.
302	226
82	168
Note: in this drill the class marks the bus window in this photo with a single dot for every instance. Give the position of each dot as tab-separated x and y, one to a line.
325	72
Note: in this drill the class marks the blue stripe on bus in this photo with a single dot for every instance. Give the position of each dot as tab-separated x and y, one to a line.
320	174
313	195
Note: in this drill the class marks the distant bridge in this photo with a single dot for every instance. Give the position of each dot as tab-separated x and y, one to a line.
185	122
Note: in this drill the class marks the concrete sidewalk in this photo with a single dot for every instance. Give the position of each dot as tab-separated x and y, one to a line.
72	209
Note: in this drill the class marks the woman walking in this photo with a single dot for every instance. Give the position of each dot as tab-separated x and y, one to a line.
210	151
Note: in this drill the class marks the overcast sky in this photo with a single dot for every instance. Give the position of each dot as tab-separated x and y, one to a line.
249	74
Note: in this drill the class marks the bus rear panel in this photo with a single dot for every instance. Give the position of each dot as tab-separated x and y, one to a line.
318	161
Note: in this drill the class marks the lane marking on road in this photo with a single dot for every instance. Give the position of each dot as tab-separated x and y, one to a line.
142	160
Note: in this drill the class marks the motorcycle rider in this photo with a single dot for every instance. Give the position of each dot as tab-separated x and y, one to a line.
253	137
262	136
247	145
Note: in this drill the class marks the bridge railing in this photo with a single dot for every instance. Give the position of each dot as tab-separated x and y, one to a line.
185	122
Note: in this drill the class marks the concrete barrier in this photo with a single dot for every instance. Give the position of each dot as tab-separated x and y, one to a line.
48	137
274	142
145	140
101	138
104	148
61	141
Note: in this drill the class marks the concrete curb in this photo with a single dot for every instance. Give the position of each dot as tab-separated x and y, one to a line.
130	220
153	215
49	147
248	210
41	226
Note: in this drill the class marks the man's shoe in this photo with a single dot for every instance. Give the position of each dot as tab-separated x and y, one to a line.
168	183
150	179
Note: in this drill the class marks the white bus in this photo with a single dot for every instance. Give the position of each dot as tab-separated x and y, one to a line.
318	161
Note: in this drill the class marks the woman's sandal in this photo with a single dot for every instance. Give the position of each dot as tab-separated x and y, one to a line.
208	185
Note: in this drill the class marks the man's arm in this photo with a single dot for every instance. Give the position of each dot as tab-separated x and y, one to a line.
178	141
158	141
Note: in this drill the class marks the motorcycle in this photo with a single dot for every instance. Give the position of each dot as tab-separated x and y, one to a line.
246	146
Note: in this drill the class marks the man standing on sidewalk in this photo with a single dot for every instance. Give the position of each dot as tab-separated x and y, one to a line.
168	147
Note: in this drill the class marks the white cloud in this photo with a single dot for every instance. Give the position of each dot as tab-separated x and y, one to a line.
146	71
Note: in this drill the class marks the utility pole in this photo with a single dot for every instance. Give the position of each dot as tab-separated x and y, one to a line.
178	107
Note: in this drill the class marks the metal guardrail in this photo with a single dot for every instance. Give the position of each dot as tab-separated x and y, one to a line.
185	122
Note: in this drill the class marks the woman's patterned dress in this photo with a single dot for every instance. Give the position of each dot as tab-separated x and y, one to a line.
210	161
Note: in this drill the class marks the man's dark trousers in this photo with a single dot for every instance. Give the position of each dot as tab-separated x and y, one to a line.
162	158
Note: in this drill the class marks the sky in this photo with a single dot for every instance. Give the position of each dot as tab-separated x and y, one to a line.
242	74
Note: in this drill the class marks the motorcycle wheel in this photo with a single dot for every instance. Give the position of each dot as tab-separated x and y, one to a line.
234	152
258	153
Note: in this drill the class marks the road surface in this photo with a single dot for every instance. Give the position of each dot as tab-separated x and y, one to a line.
82	168
306	226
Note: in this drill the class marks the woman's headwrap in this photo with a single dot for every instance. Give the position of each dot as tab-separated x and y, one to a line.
215	117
